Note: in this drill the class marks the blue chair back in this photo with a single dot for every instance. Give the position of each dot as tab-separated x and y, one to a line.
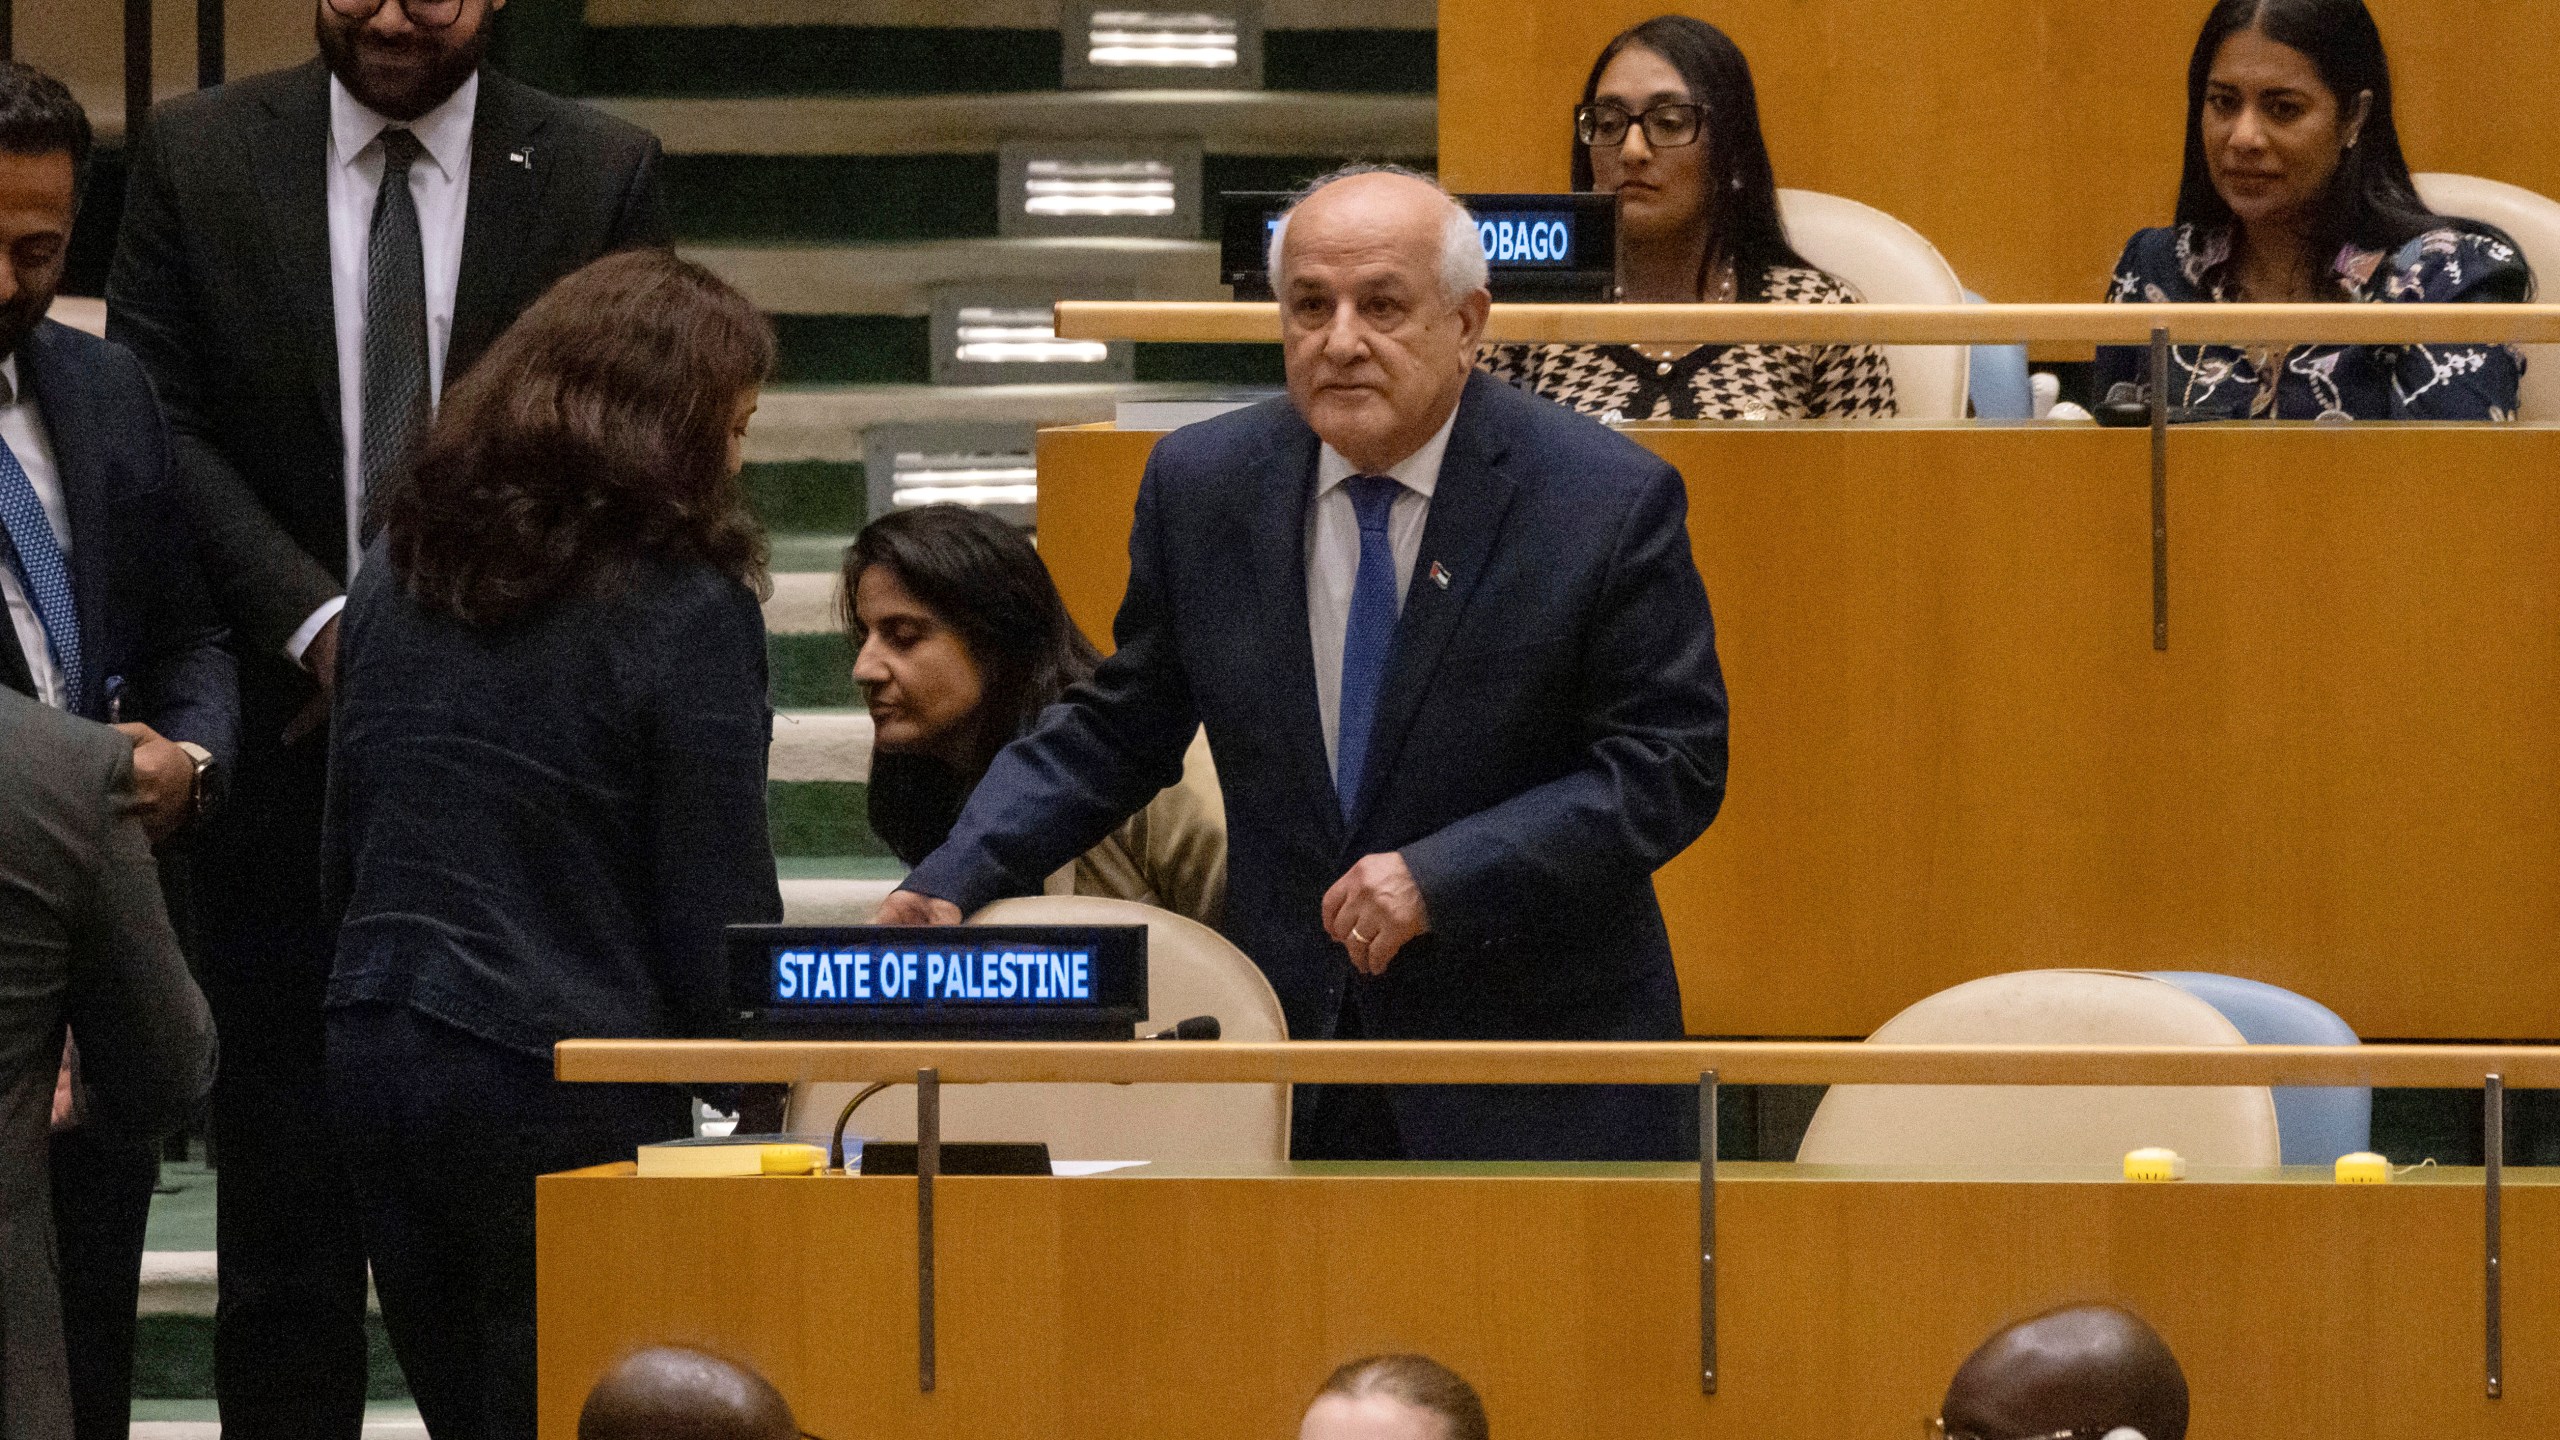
2315	1125
1999	379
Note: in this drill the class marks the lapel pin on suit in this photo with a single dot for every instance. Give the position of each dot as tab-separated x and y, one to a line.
1439	574
523	157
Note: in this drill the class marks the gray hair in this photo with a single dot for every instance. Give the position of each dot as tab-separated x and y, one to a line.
1463	270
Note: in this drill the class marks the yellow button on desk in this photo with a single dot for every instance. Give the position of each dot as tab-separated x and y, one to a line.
2363	1168
791	1159
2153	1163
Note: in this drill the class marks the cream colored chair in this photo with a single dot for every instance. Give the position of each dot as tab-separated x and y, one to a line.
1191	970
80	313
2011	1125
2534	221
1887	263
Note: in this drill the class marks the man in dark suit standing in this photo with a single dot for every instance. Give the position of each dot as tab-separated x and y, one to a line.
107	619
1458	674
306	257
84	940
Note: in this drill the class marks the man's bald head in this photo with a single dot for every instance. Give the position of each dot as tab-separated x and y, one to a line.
2084	1367
1381	282
671	1393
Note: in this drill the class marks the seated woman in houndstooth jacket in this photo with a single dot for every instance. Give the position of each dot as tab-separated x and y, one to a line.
1669	123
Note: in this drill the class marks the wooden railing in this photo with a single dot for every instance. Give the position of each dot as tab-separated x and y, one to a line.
2370	324
1486	1062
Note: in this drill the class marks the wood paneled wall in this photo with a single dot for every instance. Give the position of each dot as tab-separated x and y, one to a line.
1956	753
2028	140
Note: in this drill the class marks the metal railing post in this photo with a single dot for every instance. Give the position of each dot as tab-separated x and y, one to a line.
137	71
208	44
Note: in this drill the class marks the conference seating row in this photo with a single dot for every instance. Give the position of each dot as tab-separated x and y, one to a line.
1194	971
1890	263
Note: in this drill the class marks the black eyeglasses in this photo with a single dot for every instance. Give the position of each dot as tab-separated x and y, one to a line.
1666	126
425	14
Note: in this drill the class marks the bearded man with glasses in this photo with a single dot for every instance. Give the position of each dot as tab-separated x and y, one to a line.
306	257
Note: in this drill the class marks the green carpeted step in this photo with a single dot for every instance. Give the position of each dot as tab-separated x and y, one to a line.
820	818
814	60
692	60
811	672
836	199
792	496
1372	62
829	197
897	350
902	279
808	554
839	867
1253	365
853	350
173	1359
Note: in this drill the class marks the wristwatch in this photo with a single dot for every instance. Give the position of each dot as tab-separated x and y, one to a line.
200	792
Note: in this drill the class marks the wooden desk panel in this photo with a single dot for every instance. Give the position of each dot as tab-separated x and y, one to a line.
1120	1306
2028	141
1956	753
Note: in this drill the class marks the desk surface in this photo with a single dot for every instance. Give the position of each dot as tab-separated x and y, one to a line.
1136	1303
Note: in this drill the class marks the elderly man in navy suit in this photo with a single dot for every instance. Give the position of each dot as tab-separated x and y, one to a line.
1458	674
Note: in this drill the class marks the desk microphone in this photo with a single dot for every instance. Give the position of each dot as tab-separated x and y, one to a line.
1198	1027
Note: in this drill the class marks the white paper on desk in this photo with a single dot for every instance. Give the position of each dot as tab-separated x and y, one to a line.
1091	1167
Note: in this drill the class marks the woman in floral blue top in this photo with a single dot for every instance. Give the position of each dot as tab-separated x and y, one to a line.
2296	190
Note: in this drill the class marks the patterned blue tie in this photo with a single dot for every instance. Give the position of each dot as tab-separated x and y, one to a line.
42	572
1368	634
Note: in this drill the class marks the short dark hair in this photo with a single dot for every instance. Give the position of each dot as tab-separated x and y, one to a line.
1418	1381
592	435
1742	188
39	116
979	576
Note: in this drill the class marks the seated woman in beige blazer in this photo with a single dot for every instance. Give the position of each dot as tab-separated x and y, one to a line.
960	642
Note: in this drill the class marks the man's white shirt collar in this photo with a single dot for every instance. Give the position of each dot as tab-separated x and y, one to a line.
444	132
1418	472
9	380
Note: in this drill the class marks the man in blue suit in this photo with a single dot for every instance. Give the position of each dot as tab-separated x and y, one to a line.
1458	674
104	615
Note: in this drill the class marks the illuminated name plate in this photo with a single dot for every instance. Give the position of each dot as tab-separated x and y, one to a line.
1556	248
971	982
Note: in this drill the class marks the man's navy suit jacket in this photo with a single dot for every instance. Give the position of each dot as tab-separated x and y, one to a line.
1550	731
147	620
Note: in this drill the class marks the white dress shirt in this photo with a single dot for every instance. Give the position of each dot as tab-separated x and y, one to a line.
440	184
23	428
1333	559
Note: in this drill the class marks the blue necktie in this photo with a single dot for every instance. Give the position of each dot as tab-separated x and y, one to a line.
37	557
1369	632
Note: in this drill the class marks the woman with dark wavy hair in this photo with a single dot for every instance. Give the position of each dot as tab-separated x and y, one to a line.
960	641
546	794
2295	190
1670	124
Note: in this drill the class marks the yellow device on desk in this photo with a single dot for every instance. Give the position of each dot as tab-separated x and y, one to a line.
2154	1164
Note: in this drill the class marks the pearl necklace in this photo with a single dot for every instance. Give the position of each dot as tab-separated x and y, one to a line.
1722	289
